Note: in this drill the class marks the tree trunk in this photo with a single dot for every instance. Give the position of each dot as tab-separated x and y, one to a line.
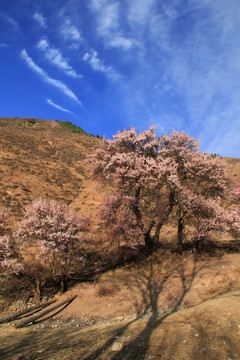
160	224
35	317
24	312
63	285
37	290
180	233
149	243
165	216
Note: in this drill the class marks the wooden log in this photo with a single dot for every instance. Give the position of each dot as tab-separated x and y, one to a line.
25	312
35	317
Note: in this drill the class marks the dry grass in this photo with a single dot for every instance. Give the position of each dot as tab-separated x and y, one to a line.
44	160
208	331
164	307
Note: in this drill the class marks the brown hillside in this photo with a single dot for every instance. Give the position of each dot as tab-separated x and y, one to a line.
234	166
44	160
164	306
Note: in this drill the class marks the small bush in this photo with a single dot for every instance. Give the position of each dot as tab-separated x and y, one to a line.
72	127
107	290
31	121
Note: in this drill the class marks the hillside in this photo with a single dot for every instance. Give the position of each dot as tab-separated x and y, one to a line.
44	160
163	306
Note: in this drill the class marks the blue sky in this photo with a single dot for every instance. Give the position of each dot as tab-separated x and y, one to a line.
106	65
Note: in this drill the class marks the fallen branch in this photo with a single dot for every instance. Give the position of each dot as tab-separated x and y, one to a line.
25	312
35	317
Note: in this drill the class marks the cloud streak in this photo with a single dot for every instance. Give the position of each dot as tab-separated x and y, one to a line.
10	20
40	19
108	24
186	66
175	63
55	57
98	65
70	33
50	102
45	77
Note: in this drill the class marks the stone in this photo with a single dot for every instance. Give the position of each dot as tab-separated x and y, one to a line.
117	346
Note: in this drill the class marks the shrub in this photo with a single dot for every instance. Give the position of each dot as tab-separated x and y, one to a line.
72	127
107	290
31	121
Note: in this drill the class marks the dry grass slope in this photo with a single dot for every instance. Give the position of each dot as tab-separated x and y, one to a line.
167	306
44	160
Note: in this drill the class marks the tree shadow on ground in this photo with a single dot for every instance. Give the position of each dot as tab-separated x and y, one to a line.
146	287
151	288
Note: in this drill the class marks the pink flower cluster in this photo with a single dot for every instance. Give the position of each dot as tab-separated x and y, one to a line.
47	241
161	175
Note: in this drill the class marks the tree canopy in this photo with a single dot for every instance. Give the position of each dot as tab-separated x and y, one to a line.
154	176
46	244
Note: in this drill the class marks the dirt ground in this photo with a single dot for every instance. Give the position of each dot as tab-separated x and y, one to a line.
165	307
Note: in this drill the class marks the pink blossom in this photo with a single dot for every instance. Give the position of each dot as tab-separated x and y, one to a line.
160	175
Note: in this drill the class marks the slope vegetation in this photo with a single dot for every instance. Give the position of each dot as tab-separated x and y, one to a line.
165	306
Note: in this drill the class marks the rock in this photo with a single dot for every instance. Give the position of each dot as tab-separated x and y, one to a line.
117	346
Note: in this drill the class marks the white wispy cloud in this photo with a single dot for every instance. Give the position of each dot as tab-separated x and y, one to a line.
40	19
44	76
55	57
70	32
203	67
10	20
50	102
188	71
108	20
96	4
140	11
220	136
98	65
119	41
108	24
179	61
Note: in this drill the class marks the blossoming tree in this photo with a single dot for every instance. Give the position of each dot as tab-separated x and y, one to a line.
47	243
153	177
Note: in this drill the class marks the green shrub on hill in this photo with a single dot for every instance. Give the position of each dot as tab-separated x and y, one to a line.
31	121
72	127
